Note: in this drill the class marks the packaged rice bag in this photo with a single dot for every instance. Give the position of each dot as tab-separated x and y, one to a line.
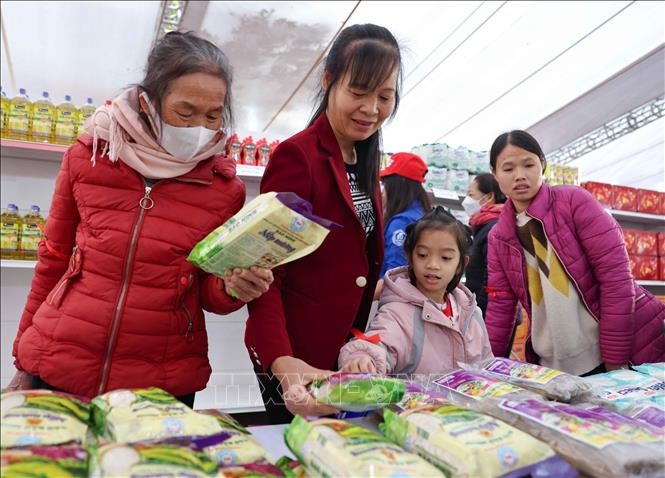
238	448
251	470
272	229
552	383
147	415
335	448
42	417
656	370
464	387
621	388
594	444
465	443
357	391
150	460
44	461
291	468
646	411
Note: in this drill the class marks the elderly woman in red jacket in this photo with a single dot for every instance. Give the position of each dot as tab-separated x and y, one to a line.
114	303
296	329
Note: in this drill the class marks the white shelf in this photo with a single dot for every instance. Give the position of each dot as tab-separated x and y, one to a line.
640	217
55	152
651	283
17	264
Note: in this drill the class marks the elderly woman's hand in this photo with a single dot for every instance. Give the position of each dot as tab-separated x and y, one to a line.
247	284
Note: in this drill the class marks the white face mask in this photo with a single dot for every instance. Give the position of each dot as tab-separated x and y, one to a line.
183	143
471	205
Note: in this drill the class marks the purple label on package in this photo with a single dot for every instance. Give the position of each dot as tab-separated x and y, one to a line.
500	366
651	415
614	417
459	377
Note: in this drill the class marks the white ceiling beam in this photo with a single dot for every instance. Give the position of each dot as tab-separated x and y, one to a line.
631	87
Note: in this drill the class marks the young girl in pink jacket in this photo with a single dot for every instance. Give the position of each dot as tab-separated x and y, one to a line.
427	321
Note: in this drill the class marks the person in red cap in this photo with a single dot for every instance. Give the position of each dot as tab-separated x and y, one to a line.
405	201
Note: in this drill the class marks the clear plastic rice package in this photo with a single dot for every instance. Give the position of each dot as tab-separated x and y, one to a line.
656	370
238	447
357	392
251	470
150	460
646	411
466	443
272	229
553	384
594	443
621	388
291	468
44	461
464	387
336	448
148	414
42	417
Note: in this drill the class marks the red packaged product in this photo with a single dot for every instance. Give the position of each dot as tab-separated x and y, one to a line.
233	147
661	244
648	201
262	152
248	155
630	238
661	210
625	198
646	268
631	263
646	243
661	268
601	191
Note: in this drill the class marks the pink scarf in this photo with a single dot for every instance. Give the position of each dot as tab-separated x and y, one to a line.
129	139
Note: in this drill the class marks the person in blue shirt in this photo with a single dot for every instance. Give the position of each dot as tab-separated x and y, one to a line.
405	201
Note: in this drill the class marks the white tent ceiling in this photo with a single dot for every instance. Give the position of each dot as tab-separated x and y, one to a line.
473	69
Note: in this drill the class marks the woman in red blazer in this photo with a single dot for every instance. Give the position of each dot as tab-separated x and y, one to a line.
295	331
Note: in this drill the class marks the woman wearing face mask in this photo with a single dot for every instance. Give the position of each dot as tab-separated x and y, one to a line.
296	329
483	204
114	303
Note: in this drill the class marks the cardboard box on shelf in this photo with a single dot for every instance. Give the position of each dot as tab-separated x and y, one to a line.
648	201
625	198
661	244
601	191
645	267
646	243
630	238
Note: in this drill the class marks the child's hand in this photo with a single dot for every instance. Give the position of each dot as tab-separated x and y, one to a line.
362	364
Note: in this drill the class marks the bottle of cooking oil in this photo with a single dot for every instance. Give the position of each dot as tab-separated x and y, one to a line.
10	233
43	119
85	112
4	109
31	233
18	116
66	119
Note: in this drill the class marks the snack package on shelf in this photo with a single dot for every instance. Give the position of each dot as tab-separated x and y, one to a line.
644	267
466	443
43	417
234	148
464	387
646	243
149	460
149	414
330	447
625	198
648	201
248	154
601	191
630	239
44	461
357	392
272	229
262	152
551	383
238	448
661	269
661	244
595	443
621	388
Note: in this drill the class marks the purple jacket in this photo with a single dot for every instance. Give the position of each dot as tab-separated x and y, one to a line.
589	244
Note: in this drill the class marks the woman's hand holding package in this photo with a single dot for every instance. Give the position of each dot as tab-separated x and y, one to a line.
247	284
21	381
294	376
360	364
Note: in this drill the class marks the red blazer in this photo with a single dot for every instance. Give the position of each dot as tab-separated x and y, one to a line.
314	302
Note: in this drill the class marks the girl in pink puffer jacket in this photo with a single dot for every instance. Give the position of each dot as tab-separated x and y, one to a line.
427	321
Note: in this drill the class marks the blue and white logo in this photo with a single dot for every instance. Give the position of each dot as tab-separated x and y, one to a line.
297	224
398	237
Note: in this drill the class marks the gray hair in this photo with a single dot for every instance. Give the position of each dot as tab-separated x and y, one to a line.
181	53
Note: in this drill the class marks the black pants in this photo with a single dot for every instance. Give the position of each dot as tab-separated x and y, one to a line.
37	382
271	393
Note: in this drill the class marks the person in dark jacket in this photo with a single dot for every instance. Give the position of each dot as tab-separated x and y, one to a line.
404	202
483	204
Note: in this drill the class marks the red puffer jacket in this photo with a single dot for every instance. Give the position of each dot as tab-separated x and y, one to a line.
114	302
